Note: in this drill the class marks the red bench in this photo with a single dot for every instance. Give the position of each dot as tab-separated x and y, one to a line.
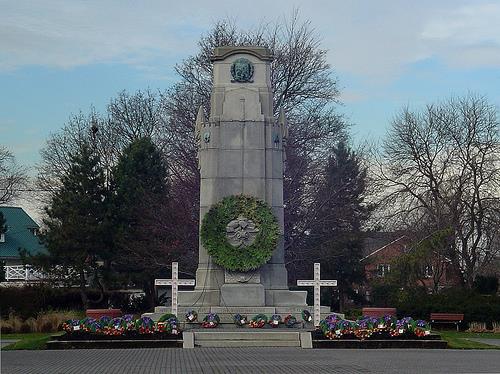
379	312
98	313
455	318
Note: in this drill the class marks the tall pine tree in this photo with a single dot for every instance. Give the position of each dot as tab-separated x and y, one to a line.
77	231
142	214
340	214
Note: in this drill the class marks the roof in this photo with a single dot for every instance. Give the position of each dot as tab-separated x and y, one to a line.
383	247
19	233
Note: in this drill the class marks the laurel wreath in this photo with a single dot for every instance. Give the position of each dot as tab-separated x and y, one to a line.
213	233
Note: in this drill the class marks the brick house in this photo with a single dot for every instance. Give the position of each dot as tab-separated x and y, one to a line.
378	260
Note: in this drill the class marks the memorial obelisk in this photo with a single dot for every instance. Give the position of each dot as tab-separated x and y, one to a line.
241	152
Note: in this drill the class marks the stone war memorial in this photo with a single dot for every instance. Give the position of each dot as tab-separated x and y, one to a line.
241	266
241	296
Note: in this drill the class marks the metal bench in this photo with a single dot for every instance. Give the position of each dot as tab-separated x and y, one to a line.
378	312
455	318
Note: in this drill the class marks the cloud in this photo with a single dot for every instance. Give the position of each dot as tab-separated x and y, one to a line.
64	34
378	40
466	37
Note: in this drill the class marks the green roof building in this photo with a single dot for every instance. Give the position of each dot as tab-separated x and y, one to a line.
21	233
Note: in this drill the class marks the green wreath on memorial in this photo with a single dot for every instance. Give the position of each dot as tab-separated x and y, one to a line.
240	233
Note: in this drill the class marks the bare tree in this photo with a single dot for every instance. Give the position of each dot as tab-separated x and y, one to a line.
128	117
440	169
303	85
12	176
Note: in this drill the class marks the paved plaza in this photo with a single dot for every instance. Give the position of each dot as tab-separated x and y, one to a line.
250	360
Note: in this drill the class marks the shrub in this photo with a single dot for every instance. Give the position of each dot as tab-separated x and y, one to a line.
419	304
486	285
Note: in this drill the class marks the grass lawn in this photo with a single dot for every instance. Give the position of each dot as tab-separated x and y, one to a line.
36	340
458	340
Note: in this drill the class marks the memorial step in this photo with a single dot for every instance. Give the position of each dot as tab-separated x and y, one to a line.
242	338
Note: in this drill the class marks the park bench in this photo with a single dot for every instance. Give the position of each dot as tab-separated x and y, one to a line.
378	312
98	313
455	318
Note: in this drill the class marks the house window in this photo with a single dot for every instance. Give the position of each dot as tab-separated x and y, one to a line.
2	238
383	269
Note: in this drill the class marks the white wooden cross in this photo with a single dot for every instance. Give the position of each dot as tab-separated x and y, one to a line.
175	282
317	283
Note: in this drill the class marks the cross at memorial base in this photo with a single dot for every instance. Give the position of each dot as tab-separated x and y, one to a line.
317	283
175	282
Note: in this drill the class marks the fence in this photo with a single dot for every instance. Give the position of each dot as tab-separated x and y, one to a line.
22	273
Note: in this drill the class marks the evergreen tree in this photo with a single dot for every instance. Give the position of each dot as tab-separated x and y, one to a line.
340	214
77	231
142	214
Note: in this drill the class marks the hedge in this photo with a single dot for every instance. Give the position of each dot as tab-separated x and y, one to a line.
419	304
28	301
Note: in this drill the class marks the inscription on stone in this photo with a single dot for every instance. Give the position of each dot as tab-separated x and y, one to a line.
237	277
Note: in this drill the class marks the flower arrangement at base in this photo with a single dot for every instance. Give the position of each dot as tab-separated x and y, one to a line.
306	316
334	327
421	328
145	325
90	325
129	322
275	320
117	326
121	326
259	321
365	327
290	321
211	320
385	324
71	325
401	327
169	326
191	315
240	320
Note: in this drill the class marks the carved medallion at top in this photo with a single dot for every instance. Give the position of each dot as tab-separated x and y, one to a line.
242	71
241	232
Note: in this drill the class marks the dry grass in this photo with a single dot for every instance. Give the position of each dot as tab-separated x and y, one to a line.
477	327
44	322
496	327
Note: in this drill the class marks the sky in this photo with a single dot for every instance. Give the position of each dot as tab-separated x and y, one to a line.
64	56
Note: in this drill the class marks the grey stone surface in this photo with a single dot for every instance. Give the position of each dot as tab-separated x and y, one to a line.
242	295
306	340
188	340
250	360
286	297
244	154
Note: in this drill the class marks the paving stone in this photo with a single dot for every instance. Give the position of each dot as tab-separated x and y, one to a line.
249	360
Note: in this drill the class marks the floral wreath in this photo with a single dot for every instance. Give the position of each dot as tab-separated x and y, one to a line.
240	320
210	321
213	233
191	315
259	321
306	316
290	321
275	320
